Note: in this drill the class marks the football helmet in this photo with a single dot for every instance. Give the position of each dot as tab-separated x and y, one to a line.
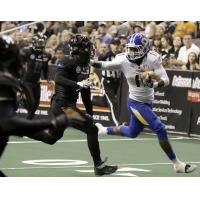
39	42
10	61
81	45
137	46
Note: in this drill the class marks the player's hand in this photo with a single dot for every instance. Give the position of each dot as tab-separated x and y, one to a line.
148	81
95	63
84	84
152	74
148	78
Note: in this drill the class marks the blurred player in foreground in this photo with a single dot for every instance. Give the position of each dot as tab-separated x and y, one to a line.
144	71
47	131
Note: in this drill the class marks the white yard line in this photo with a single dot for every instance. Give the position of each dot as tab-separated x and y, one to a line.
85	166
104	140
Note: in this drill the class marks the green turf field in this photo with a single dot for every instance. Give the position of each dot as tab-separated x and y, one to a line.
69	157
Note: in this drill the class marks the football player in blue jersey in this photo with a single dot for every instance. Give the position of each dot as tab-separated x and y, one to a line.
144	71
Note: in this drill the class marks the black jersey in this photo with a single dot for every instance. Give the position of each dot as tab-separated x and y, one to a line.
70	71
36	62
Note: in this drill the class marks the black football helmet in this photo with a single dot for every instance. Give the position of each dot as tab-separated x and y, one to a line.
81	45
10	61
39	42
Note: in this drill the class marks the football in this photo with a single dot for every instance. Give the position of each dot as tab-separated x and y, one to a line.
152	74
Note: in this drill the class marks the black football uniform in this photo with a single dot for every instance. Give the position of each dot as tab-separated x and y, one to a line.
70	71
36	63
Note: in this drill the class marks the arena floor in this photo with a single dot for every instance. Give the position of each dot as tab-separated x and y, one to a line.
69	157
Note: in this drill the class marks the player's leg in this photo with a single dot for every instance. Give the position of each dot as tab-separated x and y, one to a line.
111	86
84	122
158	127
35	91
86	98
48	131
132	130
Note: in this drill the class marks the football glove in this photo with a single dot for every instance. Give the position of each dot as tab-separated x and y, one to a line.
84	84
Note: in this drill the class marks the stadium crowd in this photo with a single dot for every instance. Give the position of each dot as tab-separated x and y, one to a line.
177	42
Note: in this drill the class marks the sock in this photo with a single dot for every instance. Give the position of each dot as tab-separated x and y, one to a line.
176	161
171	155
110	131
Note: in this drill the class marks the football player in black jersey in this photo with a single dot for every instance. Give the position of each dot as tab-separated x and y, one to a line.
71	78
48	131
35	61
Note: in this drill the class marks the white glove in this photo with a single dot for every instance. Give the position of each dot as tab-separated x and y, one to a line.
84	84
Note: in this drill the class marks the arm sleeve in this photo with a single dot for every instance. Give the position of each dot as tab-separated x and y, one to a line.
61	79
113	65
159	69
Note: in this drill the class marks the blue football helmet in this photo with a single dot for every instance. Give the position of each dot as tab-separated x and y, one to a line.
137	46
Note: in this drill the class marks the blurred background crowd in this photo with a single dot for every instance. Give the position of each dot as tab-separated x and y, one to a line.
178	42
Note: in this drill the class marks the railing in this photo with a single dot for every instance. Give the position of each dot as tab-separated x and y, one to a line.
31	24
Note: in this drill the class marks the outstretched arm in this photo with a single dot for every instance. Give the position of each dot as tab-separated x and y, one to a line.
106	65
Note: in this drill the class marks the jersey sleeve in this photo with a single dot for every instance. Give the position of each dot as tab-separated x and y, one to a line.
61	79
114	65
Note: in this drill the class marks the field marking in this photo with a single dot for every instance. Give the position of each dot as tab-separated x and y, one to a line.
124	171
85	166
53	162
104	140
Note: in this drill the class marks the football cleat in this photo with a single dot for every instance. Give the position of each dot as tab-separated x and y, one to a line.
184	168
103	169
101	129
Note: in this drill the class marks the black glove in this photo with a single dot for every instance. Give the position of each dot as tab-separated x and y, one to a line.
96	64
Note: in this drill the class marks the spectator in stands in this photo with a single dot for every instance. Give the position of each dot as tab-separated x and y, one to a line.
157	44
64	43
166	50
177	44
52	42
186	49
28	39
19	39
160	29
184	28
103	35
150	32
126	28
59	53
139	27
112	30
192	63
123	40
88	28
166	47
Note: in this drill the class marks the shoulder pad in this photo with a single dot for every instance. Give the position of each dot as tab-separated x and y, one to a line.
120	54
154	53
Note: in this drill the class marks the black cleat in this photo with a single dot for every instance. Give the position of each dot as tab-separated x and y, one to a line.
103	169
2	174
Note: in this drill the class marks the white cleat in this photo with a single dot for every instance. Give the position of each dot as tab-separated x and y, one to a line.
101	129
184	168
